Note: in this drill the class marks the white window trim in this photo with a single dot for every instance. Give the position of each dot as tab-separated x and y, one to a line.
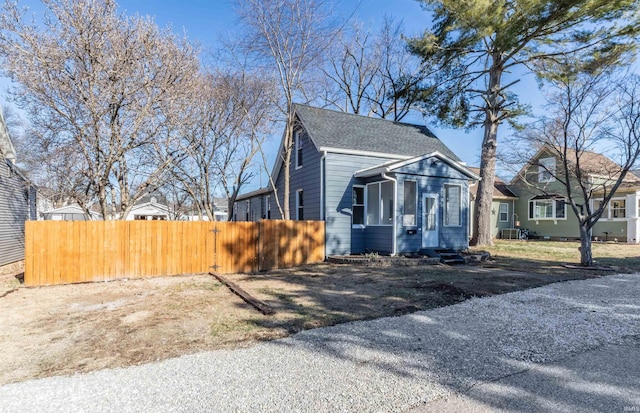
298	204
380	204
607	213
364	207
298	145
542	168
566	210
415	225
444	206
500	213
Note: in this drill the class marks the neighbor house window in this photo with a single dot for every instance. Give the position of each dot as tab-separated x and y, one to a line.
357	206
380	203
298	151
617	208
504	212
547	207
248	203
299	205
452	205
410	204
546	170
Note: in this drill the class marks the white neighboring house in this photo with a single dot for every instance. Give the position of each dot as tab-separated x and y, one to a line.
70	213
150	211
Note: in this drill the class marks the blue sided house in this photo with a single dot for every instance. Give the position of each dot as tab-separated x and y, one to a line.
380	186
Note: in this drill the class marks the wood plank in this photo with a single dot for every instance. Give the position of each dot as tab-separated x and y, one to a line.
248	298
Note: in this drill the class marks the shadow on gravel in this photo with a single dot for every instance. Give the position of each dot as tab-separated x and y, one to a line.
483	340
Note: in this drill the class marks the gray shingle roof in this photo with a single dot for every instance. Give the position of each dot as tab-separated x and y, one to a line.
339	130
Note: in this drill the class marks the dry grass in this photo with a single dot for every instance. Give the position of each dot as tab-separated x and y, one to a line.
66	329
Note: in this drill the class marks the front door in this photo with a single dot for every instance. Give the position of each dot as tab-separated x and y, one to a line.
430	221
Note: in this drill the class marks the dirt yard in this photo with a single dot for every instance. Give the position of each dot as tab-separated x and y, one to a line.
66	329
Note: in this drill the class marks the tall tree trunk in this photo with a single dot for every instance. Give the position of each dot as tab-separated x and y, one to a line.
586	257
482	221
288	148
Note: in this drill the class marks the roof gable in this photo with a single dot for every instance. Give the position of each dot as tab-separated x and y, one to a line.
392	166
591	164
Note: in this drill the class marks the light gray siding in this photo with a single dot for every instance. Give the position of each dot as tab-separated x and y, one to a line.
17	205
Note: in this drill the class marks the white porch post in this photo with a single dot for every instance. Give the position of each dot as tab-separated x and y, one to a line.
633	220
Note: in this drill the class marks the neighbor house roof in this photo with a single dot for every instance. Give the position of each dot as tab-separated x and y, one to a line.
591	164
500	188
334	131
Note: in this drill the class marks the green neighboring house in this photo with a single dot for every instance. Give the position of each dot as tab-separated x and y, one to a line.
541	208
503	220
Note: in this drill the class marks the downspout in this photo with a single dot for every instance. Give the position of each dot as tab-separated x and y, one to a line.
322	172
394	246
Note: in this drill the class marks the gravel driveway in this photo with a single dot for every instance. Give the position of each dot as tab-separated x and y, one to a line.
389	364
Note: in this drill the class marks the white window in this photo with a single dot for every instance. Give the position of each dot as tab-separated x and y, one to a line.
504	212
298	151
299	205
357	205
546	170
410	204
547	207
452	205
617	208
380	203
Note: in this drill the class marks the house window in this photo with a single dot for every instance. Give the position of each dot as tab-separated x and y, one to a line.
298	151
547	207
268	206
504	212
546	170
299	205
380	203
248	204
618	208
410	204
357	206
235	211
452	205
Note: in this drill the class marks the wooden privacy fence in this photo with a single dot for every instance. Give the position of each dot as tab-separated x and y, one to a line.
60	252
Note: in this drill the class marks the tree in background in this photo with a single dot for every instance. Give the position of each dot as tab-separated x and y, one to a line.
372	73
287	39
590	112
477	43
224	122
100	89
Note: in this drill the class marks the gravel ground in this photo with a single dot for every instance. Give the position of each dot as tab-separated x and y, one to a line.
389	364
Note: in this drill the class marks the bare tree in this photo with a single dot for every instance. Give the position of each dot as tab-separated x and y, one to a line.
99	88
226	121
591	114
289	36
372	72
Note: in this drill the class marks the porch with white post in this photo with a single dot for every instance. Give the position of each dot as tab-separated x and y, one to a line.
633	218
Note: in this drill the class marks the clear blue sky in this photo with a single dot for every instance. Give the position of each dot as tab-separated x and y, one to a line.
203	21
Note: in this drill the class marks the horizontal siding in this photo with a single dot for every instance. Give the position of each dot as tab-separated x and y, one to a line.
455	237
14	211
379	239
339	185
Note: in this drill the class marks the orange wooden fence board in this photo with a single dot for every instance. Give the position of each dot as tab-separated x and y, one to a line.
59	252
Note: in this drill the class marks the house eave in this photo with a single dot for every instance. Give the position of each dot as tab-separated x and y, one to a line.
389	167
